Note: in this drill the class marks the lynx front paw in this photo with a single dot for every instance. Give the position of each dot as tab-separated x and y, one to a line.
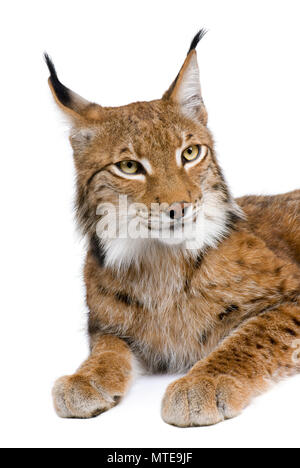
76	396
203	401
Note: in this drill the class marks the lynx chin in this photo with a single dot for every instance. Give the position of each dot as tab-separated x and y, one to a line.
206	285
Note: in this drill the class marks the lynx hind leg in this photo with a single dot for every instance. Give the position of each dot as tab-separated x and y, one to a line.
99	383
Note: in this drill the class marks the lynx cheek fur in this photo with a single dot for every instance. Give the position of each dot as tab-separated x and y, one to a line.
227	311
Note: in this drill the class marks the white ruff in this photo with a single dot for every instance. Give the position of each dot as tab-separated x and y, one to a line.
211	228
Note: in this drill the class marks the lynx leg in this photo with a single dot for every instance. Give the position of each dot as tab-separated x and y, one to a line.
99	383
222	385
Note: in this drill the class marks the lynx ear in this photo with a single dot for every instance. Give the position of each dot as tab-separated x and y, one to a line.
186	89
71	103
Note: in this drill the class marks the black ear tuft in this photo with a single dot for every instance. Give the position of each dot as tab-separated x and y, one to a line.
197	39
62	93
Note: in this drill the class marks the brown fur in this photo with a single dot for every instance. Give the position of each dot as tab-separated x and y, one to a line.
228	314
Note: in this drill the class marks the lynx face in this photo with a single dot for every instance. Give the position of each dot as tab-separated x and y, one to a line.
147	173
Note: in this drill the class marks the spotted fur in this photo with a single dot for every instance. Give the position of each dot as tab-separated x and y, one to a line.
226	312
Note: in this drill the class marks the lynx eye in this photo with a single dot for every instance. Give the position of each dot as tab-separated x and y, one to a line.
191	153
129	167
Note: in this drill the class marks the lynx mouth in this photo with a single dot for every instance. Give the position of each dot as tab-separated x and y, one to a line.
172	225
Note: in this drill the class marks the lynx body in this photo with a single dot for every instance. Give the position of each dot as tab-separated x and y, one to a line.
222	305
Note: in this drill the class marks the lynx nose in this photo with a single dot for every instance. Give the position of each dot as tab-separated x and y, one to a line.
178	210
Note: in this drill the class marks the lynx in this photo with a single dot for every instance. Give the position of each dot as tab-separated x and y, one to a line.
218	301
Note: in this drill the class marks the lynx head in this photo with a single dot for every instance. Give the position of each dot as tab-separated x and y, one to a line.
148	167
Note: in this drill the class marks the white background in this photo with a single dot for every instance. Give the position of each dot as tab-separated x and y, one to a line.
114	52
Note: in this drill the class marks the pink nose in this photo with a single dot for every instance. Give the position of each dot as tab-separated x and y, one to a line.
177	210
